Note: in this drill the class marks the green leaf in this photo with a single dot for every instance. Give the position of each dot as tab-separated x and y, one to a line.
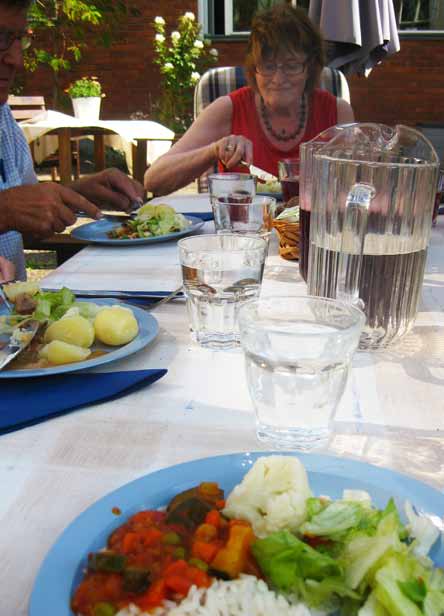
414	589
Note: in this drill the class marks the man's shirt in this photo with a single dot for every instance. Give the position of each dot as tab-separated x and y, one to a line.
16	169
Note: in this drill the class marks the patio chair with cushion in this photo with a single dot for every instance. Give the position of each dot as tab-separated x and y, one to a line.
222	80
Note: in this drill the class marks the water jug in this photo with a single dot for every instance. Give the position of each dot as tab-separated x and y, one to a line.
371	210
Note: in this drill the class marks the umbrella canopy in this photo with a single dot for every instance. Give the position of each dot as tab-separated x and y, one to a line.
359	33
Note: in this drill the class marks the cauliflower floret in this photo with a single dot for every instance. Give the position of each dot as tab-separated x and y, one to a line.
271	496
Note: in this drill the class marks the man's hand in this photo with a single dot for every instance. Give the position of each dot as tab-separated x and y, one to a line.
39	210
111	189
7	270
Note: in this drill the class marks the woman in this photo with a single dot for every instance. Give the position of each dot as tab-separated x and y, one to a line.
267	120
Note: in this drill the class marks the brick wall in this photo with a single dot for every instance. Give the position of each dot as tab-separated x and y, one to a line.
408	88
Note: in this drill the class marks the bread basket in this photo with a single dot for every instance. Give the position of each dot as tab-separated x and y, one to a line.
288	233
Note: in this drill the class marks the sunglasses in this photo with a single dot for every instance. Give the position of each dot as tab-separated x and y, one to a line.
8	37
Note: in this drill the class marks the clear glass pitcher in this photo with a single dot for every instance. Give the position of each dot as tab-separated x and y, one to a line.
371	210
307	151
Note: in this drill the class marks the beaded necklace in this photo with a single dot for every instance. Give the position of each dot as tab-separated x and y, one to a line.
283	137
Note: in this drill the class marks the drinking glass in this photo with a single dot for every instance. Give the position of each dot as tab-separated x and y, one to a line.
238	187
288	170
439	196
298	353
252	218
220	273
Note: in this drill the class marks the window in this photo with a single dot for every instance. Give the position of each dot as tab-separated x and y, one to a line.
233	17
420	15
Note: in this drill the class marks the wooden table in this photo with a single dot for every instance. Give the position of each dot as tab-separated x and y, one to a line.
134	134
392	414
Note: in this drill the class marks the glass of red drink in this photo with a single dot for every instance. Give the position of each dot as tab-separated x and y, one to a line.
288	170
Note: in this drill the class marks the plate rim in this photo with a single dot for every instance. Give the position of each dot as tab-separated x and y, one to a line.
197	223
135	345
340	467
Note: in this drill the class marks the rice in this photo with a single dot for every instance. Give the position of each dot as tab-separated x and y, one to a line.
246	596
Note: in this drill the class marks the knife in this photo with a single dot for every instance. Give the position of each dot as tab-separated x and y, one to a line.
19	340
120	294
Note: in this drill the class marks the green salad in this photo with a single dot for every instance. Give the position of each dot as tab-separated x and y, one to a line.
340	556
150	221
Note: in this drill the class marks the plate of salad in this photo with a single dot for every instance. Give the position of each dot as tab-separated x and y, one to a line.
252	534
74	334
149	224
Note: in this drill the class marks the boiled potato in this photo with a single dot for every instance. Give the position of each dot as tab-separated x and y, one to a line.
17	288
58	352
74	330
116	325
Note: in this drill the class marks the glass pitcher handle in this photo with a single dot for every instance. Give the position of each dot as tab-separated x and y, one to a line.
352	245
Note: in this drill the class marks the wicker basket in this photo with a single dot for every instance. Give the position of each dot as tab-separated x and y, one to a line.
288	233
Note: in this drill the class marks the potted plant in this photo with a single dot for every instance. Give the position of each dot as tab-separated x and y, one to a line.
86	95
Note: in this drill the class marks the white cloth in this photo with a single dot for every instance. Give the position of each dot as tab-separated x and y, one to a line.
127	132
16	169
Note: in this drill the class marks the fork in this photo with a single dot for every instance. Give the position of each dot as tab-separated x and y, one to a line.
165	299
5	300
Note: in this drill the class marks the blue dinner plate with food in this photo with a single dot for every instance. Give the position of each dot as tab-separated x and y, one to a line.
311	528
112	233
30	364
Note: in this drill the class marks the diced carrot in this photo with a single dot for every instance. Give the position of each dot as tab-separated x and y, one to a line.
220	504
153	597
205	532
129	542
213	517
235	522
205	551
178	567
200	578
150	536
178	584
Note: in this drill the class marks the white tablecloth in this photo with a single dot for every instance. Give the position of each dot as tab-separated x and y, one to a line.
127	132
392	414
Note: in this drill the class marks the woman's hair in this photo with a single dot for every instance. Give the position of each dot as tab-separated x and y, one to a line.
283	29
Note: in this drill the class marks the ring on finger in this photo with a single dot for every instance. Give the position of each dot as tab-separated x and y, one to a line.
229	147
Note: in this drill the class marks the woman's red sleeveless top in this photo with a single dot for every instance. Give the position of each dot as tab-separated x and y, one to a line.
245	121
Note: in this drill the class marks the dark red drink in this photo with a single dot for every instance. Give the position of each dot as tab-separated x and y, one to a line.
290	188
439	196
304	241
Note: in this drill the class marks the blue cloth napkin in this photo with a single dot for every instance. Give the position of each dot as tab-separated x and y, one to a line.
25	402
202	215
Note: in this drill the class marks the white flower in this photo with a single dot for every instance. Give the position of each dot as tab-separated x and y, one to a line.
189	15
159	38
214	52
195	76
168	66
159	20
197	43
175	35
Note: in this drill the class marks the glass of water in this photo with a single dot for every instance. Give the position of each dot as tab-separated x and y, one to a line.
253	218
236	187
298	353
220	273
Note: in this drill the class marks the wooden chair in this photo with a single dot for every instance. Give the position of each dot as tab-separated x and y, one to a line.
222	80
28	107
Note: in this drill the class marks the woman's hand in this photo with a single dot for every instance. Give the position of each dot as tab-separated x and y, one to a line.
233	149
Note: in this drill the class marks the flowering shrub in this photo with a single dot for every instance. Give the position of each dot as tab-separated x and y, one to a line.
84	87
182	56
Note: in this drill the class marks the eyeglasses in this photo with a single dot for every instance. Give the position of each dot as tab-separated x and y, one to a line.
291	69
7	38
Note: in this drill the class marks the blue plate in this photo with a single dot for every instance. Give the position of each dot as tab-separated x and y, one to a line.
62	568
148	330
97	233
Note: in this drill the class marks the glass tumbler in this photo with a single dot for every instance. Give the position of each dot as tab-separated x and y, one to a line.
238	187
298	352
220	273
288	170
252	218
